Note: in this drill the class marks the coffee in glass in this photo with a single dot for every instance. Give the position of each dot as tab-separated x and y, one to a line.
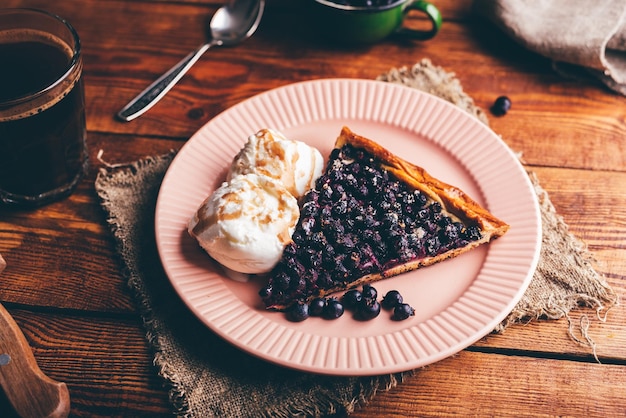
43	154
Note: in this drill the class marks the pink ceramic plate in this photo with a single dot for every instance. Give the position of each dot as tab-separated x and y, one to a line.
457	302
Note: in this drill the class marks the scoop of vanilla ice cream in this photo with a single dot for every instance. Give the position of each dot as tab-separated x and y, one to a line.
268	152
246	223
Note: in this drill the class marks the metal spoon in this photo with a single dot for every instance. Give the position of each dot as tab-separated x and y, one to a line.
231	24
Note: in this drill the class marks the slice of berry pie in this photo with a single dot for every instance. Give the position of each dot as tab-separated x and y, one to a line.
373	215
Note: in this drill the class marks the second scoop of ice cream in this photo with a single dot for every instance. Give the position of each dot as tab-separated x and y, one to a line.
245	224
270	153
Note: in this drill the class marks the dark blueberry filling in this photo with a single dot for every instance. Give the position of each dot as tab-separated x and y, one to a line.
358	220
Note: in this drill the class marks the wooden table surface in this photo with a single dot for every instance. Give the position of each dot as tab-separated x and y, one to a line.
63	283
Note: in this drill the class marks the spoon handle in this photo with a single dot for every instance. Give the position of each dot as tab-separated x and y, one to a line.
155	91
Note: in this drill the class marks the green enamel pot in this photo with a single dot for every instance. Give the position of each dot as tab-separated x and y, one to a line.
369	24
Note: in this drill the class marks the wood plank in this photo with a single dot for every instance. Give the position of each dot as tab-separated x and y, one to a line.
476	384
107	367
226	76
597	219
450	9
108	373
550	338
223	80
496	73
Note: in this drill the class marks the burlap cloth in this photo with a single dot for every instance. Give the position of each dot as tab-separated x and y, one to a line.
208	377
582	38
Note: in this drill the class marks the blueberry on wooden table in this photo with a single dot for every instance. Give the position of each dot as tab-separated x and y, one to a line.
501	106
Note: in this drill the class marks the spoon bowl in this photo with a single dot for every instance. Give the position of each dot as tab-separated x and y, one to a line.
230	25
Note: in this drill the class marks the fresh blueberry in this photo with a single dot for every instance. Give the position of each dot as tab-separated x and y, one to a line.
298	312
501	106
316	306
369	292
352	298
333	309
368	309
392	299
402	312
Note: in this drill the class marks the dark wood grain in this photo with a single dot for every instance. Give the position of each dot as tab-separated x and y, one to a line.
107	367
63	283
116	377
30	392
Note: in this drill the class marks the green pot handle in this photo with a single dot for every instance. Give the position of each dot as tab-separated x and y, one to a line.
433	14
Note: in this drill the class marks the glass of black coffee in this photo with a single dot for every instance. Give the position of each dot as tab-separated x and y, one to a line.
43	153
